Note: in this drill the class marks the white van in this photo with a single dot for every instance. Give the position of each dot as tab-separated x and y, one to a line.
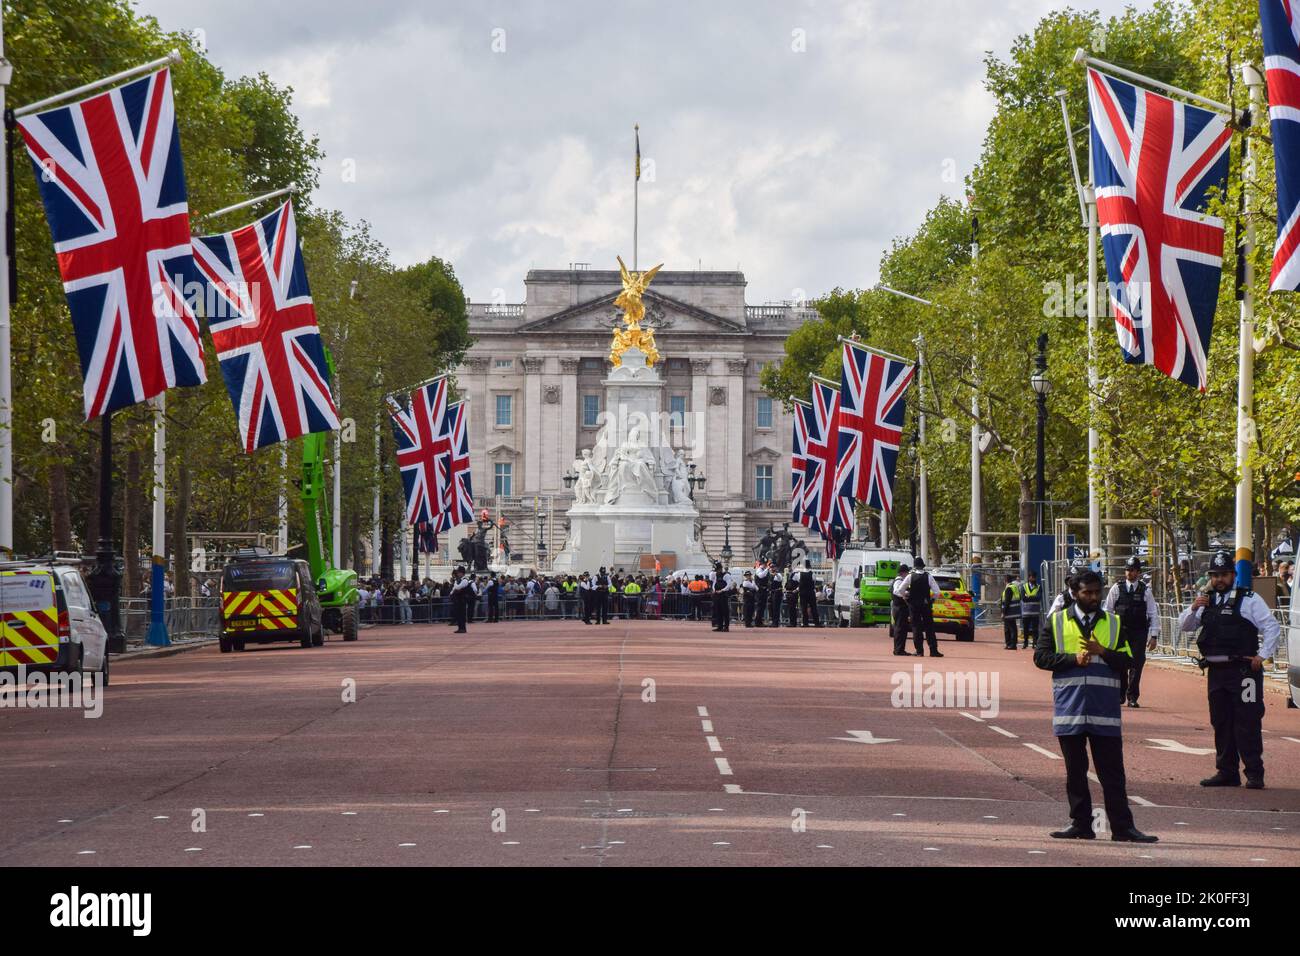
859	562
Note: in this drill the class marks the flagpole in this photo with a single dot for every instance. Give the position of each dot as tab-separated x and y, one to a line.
170	59
282	507
871	348
157	635
976	455
291	188
1081	57
636	183
1245	545
6	372
922	517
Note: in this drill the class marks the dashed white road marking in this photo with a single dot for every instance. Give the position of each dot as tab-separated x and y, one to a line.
978	720
509	842
1037	852
722	843
1294	740
442	811
732	788
1141	801
900	814
989	816
406	844
65	821
526	811
1043	750
724	768
714	746
257	814
707	726
1004	733
824	846
349	813
162	818
85	853
702	711
720	810
188	849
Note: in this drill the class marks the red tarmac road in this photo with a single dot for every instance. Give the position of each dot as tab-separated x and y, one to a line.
632	743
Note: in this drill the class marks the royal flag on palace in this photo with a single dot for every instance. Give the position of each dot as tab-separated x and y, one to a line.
872	390
1155	163
798	460
423	444
459	493
822	501
1278	20
265	332
111	179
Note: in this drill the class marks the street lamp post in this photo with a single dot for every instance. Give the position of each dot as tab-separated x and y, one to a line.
726	540
1041	385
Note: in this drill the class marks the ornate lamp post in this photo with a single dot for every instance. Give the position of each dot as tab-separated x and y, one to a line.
695	480
726	542
1041	386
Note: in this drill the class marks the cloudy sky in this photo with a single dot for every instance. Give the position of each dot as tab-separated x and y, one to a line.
792	140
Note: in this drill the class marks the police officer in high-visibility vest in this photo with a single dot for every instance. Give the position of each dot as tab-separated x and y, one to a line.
1086	653
1031	605
632	598
1010	611
1233	621
1139	618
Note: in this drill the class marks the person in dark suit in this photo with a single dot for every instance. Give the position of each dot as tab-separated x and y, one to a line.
461	594
601	595
808	596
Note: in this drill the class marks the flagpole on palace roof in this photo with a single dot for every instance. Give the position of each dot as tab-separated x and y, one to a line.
636	183
6	382
1244	535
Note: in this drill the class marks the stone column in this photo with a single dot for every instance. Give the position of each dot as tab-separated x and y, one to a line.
480	424
701	418
529	430
567	414
740	429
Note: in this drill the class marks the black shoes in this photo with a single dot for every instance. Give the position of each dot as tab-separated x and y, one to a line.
1133	703
1133	835
902	654
1254	783
935	654
1073	832
1221	780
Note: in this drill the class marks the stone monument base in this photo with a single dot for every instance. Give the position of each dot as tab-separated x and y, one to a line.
616	536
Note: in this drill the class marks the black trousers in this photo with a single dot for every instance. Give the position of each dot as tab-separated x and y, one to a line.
902	624
584	595
1236	720
792	607
602	605
808	605
461	607
748	606
1108	758
1130	682
761	599
923	628
721	611
776	608
1009	632
1029	629
494	610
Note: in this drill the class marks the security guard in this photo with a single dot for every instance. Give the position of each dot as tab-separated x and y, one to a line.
1232	621
774	590
792	598
461	594
1084	649
762	580
1010	611
1031	605
632	598
720	585
1139	620
808	596
749	590
600	596
921	593
901	623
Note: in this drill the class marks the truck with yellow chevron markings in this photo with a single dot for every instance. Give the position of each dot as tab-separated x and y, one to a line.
265	598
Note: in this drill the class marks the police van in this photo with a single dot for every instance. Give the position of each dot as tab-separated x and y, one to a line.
47	619
267	598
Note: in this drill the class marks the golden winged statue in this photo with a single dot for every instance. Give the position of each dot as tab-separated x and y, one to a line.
629	300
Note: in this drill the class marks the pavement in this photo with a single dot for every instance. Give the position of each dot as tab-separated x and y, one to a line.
634	743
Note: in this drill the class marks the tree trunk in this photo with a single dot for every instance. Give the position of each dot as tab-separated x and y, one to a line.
91	541
131	525
386	546
1201	535
60	511
181	531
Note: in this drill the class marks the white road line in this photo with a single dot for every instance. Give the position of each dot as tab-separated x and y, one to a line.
1294	740
714	746
732	788
1004	733
1140	801
1044	751
702	711
406	844
724	768
707	726
978	720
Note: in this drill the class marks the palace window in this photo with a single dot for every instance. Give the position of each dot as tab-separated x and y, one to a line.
763	482
590	411
501	479
504	363
764	416
505	409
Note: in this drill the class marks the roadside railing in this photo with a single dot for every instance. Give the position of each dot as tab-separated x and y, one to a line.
187	618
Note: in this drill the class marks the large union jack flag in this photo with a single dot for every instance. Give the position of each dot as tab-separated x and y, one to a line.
872	390
1155	163
822	502
113	186
798	460
265	331
1282	69
459	504
423	444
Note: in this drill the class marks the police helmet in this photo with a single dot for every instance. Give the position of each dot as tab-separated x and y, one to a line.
920	565
1221	561
1134	563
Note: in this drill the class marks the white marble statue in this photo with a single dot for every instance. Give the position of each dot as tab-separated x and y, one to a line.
679	488
632	469
584	490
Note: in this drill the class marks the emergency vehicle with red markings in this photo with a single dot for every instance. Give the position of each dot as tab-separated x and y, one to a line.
48	620
267	598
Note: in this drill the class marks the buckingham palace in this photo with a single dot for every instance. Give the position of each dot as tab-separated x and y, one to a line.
534	379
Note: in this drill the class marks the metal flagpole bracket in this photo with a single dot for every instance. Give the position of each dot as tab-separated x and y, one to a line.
823	380
905	295
170	59
1081	57
871	348
291	188
391	396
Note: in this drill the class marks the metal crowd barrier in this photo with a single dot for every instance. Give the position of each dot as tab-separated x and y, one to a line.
187	618
1175	643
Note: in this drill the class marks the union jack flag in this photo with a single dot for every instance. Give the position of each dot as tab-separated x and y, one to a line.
798	461
459	507
872	388
113	186
1155	163
422	443
821	498
1282	69
265	332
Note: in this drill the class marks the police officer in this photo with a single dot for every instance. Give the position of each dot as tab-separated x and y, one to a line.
584	595
461	594
600	595
720	585
1065	600
763	581
774	590
901	623
1084	649
808	596
921	593
1031	605
1139	618
792	598
1232	621
1010	611
749	592
493	599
